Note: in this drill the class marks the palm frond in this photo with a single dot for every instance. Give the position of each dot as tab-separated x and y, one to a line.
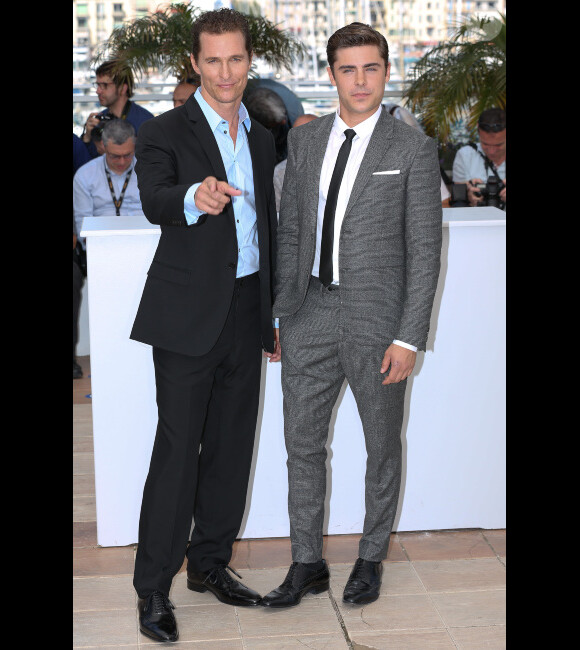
460	78
161	40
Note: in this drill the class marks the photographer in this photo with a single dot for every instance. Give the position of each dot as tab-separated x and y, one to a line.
482	167
106	186
114	90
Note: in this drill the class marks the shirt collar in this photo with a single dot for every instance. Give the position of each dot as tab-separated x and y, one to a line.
363	129
214	119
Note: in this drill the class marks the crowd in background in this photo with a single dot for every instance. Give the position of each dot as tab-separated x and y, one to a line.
104	157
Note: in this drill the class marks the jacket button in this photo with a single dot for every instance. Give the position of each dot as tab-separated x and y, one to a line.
232	265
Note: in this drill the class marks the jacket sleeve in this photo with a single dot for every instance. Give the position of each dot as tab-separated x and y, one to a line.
423	237
287	236
162	197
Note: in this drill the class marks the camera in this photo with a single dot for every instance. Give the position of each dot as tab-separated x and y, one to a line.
97	132
489	192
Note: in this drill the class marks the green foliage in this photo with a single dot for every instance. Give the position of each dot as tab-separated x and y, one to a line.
461	77
162	40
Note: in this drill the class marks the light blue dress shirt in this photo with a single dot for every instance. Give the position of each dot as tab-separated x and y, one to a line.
238	165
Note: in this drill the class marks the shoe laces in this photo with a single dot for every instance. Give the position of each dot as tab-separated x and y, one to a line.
290	575
220	572
160	602
357	570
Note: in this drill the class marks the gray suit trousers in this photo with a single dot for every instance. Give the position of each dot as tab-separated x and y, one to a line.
317	355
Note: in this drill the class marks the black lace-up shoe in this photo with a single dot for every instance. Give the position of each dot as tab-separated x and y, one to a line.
223	586
299	580
156	619
364	582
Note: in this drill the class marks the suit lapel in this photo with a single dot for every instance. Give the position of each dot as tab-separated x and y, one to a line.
262	212
316	151
257	173
379	142
208	144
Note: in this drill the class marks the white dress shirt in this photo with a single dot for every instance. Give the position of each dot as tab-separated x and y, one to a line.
360	142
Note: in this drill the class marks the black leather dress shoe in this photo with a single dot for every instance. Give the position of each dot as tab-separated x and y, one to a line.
156	620
364	582
223	586
299	580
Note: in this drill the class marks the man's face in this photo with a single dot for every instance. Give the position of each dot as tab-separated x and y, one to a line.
493	145
182	93
107	92
360	75
223	64
120	156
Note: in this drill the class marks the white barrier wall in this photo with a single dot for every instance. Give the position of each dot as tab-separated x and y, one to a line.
454	428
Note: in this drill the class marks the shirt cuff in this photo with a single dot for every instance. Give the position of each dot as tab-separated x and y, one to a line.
190	210
405	345
276	323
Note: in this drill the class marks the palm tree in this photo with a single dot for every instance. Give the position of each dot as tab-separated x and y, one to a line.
461	77
162	40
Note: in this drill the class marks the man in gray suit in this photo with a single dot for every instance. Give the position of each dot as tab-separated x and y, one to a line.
359	243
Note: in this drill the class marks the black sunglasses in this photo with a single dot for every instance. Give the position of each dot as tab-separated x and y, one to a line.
495	128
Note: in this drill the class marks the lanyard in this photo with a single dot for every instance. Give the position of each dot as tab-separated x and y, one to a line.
486	161
118	201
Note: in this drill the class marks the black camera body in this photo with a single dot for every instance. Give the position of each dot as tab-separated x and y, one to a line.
97	132
489	192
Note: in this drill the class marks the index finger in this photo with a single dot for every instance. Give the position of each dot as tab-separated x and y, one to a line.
225	188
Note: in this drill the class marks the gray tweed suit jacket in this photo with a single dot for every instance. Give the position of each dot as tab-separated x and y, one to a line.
390	240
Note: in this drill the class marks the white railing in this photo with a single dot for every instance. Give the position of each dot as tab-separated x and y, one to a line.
317	97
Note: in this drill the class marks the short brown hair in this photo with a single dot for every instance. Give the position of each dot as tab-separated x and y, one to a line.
354	35
221	21
119	73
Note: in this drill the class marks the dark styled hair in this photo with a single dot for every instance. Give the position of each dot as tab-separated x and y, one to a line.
266	107
354	35
119	75
221	21
492	120
193	80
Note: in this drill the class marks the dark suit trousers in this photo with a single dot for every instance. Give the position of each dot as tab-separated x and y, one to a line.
201	459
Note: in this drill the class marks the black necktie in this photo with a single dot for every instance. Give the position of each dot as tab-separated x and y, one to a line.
326	244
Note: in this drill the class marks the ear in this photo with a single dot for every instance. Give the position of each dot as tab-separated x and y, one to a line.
194	64
330	75
388	75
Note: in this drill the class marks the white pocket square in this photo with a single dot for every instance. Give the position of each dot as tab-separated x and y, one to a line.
392	171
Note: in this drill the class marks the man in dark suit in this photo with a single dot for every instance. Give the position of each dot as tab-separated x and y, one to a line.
359	242
205	176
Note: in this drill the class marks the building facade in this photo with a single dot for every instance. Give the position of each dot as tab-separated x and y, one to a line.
410	26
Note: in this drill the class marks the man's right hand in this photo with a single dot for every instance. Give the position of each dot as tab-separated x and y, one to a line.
472	189
91	122
213	195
